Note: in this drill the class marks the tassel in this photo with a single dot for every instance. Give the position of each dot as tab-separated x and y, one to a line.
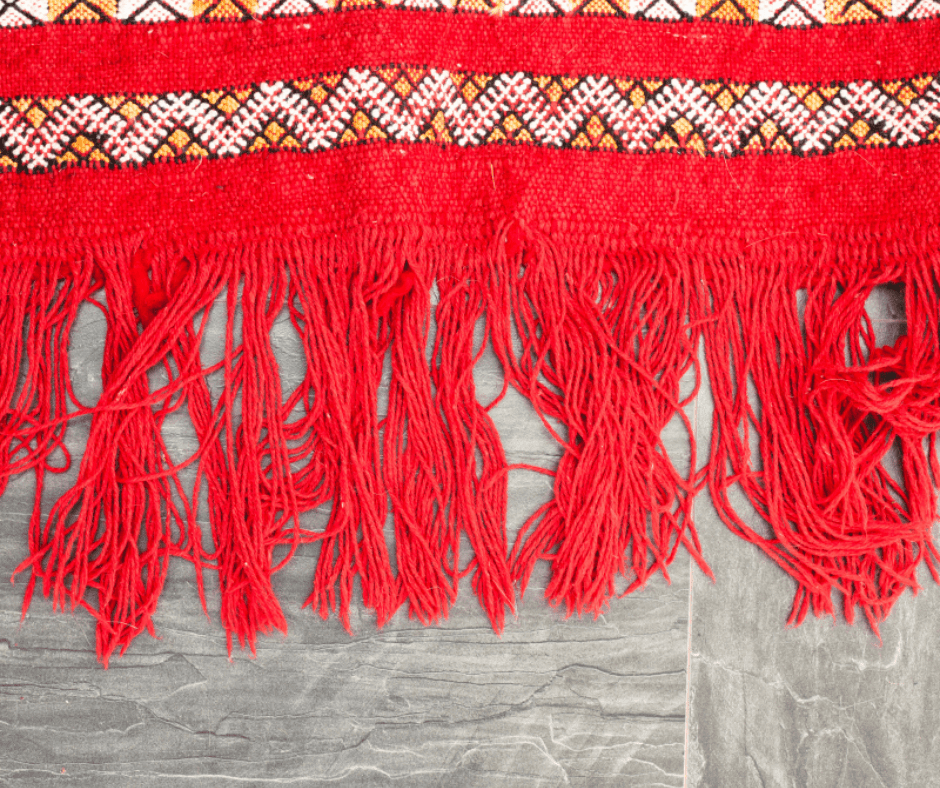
107	540
469	290
833	405
605	342
333	309
251	489
417	468
39	307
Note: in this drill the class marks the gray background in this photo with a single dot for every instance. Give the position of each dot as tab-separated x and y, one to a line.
693	683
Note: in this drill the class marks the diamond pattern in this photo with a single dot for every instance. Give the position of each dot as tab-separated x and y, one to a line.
780	13
915	9
793	13
20	13
154	10
411	105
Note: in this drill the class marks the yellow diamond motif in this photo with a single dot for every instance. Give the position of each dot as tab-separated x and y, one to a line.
36	116
130	110
725	100
768	129
228	105
402	87
906	95
860	129
82	144
813	101
274	132
594	127
179	139
439	123
682	127
360	121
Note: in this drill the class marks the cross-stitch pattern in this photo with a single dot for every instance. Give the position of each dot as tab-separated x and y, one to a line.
410	105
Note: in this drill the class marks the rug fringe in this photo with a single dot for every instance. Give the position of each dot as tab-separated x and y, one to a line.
605	345
810	412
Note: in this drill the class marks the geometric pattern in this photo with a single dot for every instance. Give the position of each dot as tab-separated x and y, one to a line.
416	104
780	13
154	10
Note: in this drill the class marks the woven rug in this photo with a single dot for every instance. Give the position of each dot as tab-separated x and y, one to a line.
614	198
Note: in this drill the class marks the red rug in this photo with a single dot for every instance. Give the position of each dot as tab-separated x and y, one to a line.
615	191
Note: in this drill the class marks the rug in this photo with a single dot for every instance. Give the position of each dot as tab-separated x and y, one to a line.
614	198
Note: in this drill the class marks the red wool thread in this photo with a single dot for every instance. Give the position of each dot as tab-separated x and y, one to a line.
599	341
833	407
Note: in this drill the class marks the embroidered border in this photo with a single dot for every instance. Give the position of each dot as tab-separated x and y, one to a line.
416	104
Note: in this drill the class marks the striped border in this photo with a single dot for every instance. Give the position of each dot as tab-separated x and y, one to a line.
404	104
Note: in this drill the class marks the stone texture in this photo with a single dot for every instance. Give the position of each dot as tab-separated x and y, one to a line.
823	705
646	696
553	702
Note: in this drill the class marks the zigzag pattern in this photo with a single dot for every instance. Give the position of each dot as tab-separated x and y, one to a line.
781	13
409	105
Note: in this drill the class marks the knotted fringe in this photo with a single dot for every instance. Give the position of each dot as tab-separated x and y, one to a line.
603	343
834	406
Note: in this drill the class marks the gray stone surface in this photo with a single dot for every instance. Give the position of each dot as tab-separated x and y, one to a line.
551	702
645	696
823	705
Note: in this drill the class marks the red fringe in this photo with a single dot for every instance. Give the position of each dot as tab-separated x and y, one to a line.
605	340
605	346
833	405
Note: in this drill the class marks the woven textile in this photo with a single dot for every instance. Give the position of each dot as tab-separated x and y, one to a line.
622	197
